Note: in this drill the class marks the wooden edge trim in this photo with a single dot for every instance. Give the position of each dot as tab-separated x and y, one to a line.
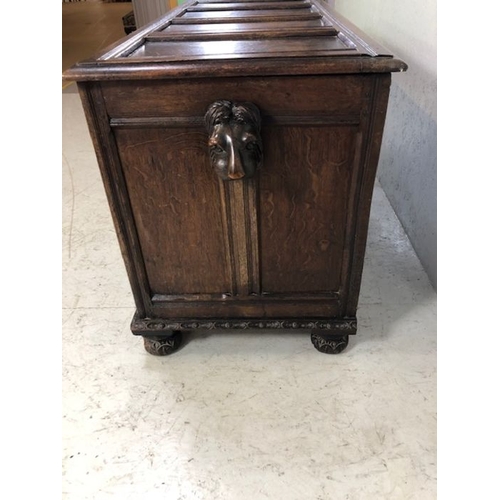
197	121
150	326
237	6
112	176
248	19
254	34
255	67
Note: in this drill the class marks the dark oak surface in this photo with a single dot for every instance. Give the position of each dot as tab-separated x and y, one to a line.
277	243
242	38
303	205
177	209
275	97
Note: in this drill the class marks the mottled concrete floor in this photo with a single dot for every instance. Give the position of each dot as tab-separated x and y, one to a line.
237	416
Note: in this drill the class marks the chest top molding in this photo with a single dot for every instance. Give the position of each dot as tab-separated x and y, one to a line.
206	38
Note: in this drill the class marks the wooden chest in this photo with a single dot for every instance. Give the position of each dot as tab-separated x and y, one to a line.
238	144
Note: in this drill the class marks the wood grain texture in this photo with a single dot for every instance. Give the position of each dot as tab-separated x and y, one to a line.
236	199
236	6
304	189
235	28
257	308
274	96
237	49
284	248
240	37
197	121
254	34
374	126
242	238
177	209
249	16
302	64
119	203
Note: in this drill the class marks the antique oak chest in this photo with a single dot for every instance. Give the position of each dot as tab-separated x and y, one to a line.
238	144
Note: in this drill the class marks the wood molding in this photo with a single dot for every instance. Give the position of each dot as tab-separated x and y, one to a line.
150	326
112	176
198	122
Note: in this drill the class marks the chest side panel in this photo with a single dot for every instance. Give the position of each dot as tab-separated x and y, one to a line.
257	247
177	209
303	202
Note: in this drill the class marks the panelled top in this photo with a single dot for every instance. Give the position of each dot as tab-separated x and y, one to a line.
240	38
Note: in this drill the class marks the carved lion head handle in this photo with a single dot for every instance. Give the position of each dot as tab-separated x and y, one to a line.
234	139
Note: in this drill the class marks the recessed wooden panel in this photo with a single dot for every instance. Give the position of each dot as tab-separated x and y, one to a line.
304	189
239	14
196	50
267	33
274	96
177	209
235	6
236	28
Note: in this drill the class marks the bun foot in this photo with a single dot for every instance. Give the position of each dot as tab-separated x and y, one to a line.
162	346
329	344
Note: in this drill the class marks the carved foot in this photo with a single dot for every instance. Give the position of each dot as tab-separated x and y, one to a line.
329	344
162	346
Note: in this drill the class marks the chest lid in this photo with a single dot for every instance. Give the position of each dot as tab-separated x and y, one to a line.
240	38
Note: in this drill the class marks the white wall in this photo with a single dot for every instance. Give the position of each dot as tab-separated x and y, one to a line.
407	168
146	11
